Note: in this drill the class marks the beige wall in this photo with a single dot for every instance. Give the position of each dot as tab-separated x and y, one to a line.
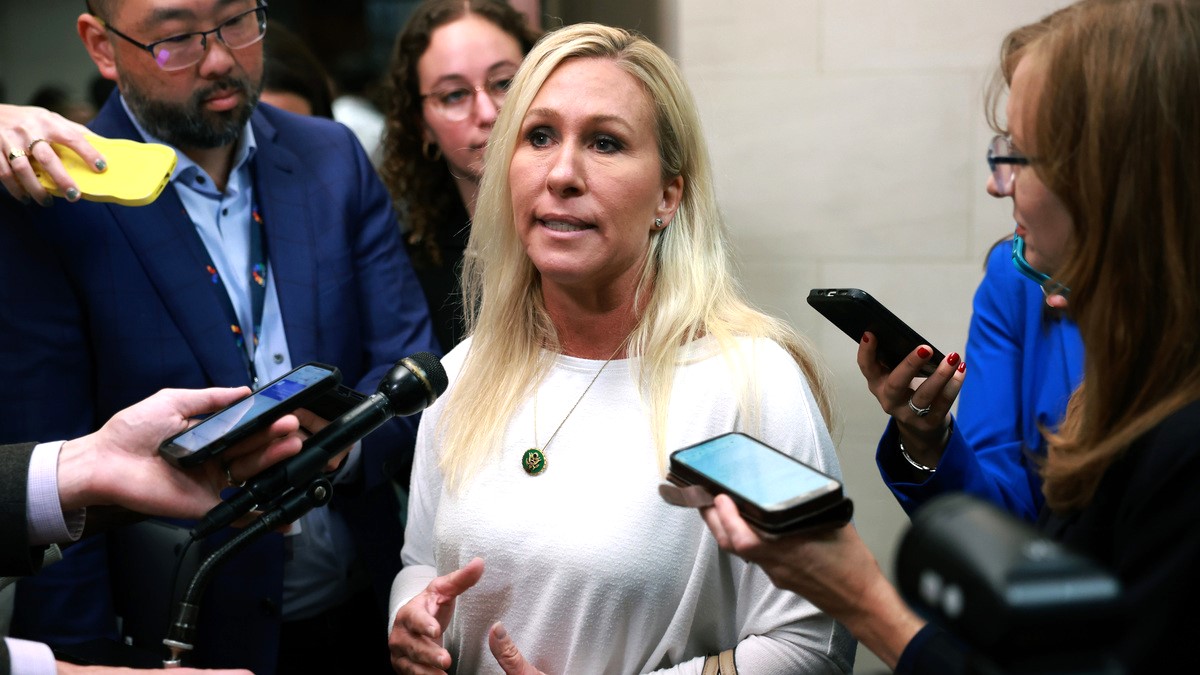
848	138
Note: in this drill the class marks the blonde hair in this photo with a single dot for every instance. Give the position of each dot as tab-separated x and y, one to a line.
687	288
1115	133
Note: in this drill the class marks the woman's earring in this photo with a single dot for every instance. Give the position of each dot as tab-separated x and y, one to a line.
430	151
658	224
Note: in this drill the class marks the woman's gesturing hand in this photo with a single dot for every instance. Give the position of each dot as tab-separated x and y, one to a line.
416	638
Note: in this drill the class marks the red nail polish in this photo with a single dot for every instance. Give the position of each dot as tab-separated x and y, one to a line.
962	367
866	339
924	352
953	359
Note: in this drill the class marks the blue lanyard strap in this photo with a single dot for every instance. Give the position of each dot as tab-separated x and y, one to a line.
258	291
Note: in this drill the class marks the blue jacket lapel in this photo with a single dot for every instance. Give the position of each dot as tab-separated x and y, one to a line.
288	226
173	257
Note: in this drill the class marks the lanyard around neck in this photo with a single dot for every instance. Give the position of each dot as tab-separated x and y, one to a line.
258	292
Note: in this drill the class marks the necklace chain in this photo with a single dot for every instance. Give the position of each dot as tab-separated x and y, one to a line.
534	459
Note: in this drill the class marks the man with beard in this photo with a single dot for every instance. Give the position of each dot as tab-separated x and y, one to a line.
275	244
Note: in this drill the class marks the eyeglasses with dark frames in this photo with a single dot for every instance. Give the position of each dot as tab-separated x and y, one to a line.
1003	160
181	51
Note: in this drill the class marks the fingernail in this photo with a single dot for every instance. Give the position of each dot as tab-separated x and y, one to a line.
924	352
26	200
48	201
501	634
101	164
866	339
953	359
962	367
72	194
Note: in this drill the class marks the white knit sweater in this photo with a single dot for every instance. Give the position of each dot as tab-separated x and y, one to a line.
589	570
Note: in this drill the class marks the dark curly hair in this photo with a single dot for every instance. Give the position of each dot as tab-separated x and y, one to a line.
423	188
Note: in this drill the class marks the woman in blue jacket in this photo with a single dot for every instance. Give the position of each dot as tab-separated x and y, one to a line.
1026	359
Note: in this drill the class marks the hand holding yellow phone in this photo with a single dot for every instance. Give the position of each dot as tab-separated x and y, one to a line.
136	175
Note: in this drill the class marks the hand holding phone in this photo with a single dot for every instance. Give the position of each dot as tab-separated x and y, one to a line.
773	491
856	312
136	175
257	411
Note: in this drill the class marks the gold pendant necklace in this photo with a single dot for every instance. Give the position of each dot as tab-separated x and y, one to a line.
534	459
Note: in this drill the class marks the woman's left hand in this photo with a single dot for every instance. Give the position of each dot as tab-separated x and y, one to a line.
507	654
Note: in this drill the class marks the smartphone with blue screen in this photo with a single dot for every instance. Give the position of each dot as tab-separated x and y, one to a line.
773	491
222	429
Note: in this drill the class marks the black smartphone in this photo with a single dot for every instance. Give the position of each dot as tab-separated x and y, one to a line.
251	414
856	312
335	402
773	491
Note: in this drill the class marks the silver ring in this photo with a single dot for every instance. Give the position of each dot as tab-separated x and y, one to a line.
15	153
921	412
29	148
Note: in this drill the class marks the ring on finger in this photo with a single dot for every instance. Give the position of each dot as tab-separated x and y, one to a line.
229	476
29	148
921	412
15	153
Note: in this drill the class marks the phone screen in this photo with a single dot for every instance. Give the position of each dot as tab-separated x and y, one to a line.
755	471
238	416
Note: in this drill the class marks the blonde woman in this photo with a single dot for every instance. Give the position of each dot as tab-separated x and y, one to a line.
606	330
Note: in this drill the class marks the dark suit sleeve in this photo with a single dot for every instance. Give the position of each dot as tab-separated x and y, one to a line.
349	297
396	324
397	320
17	557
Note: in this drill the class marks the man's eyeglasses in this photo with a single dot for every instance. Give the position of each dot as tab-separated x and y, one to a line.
1003	161
181	51
457	103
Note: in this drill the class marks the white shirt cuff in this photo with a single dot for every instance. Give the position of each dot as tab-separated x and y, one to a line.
30	658
47	522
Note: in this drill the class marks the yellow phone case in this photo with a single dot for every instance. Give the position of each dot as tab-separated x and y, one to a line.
136	175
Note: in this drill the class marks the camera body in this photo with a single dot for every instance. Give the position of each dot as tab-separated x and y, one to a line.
1021	603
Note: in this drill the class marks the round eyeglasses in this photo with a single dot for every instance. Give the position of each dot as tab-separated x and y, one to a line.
456	103
181	51
1003	161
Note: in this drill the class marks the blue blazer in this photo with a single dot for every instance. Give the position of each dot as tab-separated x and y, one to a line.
1022	367
102	305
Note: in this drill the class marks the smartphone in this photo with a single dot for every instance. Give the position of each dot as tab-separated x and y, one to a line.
773	491
335	402
257	411
136	174
856	312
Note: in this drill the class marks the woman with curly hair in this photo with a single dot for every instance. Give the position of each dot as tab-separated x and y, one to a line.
450	71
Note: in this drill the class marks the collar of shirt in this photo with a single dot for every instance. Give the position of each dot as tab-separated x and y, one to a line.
186	170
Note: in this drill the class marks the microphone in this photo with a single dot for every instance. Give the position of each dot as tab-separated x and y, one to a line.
412	385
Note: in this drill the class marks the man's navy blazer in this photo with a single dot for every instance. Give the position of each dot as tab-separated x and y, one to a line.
102	305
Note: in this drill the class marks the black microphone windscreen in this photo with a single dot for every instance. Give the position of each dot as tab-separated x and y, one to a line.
414	384
434	371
